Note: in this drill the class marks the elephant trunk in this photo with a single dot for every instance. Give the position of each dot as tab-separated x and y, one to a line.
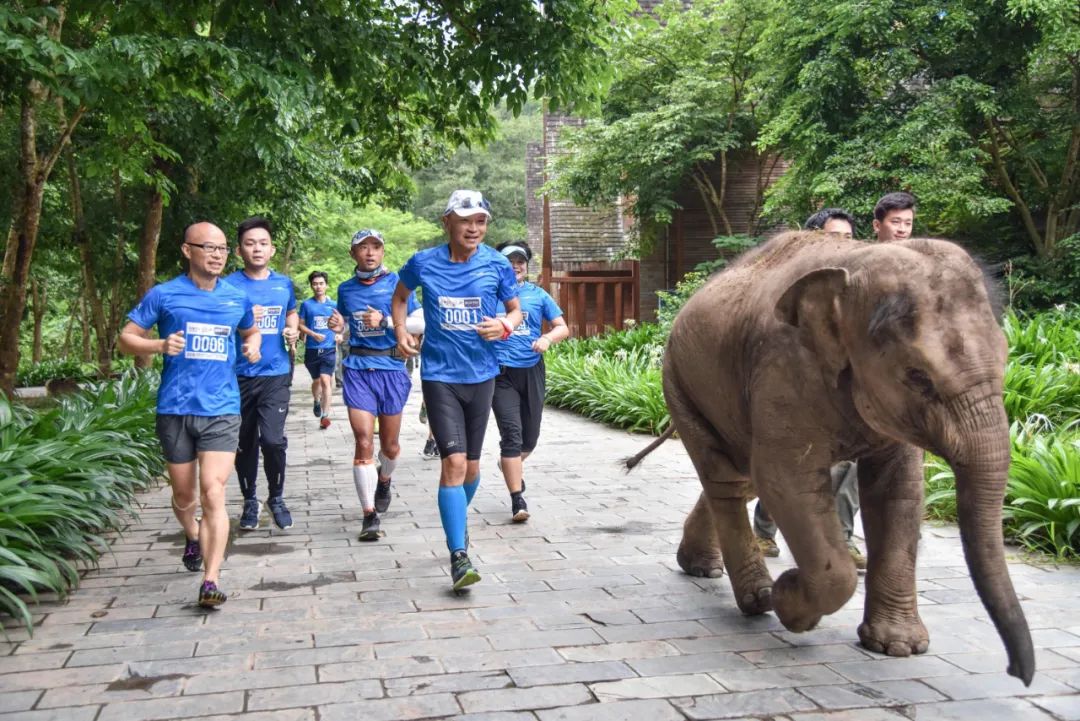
981	466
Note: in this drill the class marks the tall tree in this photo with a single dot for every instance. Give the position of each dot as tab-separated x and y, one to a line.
974	105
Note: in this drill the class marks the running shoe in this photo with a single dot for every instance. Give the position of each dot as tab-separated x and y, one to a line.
317	409
423	413
462	571
856	556
280	512
382	496
519	508
431	451
192	555
324	422
370	529
768	547
249	519
210	596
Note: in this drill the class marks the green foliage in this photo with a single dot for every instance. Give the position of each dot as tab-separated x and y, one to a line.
614	379
67	475
37	374
326	241
497	170
684	97
729	247
672	303
1036	283
969	104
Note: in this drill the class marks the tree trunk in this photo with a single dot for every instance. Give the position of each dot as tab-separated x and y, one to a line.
116	291
40	294
34	173
148	245
84	327
80	238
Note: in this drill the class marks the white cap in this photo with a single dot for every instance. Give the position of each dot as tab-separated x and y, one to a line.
466	203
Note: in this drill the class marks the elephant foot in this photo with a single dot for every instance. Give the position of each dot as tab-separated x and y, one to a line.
700	564
788	603
755	603
752	588
895	637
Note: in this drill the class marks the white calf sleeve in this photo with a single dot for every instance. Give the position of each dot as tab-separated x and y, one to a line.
386	466
364	478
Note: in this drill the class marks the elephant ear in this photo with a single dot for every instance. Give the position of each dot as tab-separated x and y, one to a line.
811	305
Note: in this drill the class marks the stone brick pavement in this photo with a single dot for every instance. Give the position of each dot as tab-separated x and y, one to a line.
581	614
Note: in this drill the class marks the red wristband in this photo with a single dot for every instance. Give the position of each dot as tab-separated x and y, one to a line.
507	328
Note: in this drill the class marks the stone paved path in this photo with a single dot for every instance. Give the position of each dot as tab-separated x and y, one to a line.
581	614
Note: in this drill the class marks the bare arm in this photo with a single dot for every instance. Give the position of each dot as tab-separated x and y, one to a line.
559	331
399	311
291	331
136	340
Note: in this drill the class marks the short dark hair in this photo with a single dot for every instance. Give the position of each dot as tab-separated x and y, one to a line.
519	243
818	220
255	221
317	274
893	201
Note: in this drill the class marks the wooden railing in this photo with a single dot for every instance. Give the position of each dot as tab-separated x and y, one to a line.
594	300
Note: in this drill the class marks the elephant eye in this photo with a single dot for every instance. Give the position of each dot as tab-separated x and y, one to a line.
919	382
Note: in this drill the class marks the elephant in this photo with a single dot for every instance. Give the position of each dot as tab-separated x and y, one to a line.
813	349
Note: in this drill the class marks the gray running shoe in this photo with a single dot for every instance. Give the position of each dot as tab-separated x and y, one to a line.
370	530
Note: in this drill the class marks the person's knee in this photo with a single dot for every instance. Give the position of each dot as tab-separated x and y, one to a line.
391	449
183	498
212	495
455	465
365	447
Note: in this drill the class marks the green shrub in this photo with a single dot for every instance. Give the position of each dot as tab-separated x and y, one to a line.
619	386
38	374
67	475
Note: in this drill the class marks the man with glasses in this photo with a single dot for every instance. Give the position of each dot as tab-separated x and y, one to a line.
265	386
463	282
198	405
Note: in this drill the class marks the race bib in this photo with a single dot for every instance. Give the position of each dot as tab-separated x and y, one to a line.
321	322
459	313
523	326
207	341
268	324
359	328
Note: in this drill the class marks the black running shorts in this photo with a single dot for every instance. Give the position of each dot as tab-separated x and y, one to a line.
458	415
519	405
184	437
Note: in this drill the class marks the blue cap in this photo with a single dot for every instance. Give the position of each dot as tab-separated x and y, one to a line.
361	235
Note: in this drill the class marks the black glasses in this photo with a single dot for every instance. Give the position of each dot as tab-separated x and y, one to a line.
210	248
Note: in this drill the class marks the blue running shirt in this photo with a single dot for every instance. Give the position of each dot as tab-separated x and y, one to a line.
536	307
457	297
275	293
354	298
316	316
200	381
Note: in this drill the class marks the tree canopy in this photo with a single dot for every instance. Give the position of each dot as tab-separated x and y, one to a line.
123	122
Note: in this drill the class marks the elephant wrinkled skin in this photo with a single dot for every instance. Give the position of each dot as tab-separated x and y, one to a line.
811	350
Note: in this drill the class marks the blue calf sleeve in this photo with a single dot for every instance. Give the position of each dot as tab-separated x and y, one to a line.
470	489
453	510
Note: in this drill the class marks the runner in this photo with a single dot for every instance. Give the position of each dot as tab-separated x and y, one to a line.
376	385
198	406
462	282
265	386
320	354
521	384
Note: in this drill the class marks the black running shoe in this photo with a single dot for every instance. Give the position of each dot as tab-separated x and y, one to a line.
317	409
431	451
249	519
519	508
280	512
382	496
192	555
462	571
210	596
370	530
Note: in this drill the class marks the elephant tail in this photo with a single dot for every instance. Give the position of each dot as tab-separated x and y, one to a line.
632	461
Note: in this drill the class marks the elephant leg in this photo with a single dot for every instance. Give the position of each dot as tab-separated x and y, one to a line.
719	526
797	490
891	492
699	552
